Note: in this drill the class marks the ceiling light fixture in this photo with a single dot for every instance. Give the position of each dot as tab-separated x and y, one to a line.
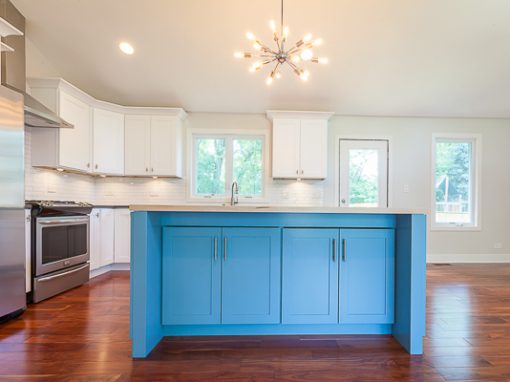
301	51
126	48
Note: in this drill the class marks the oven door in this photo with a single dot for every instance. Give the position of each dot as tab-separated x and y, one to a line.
61	242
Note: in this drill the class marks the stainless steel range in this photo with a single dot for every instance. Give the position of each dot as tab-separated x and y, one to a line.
60	247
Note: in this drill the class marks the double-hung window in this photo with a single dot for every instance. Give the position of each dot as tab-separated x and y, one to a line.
220	160
455	177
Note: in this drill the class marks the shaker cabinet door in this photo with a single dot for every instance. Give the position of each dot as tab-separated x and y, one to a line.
251	276
191	275
367	276
310	276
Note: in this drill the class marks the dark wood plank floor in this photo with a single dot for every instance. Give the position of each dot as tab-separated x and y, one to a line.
83	335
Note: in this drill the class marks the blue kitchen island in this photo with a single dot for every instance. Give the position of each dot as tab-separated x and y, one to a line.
213	270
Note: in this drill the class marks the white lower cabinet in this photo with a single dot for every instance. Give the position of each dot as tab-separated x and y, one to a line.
122	253
110	232
102	230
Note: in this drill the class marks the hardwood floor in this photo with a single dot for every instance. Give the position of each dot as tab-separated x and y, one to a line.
83	335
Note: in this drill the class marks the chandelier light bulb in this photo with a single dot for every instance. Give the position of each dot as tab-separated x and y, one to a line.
306	55
307	38
257	46
285	32
238	54
295	58
272	25
269	81
278	75
323	60
250	36
304	75
317	42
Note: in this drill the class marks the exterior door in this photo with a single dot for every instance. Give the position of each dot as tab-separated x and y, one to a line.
363	173
191	275
367	276
310	276
251	276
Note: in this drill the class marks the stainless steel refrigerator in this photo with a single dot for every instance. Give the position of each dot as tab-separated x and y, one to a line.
12	203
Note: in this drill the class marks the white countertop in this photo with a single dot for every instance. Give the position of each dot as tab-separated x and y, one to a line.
282	209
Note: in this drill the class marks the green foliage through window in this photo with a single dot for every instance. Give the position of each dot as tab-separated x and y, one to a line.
221	160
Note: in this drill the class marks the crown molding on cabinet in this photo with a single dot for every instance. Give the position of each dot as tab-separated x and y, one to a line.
317	115
53	82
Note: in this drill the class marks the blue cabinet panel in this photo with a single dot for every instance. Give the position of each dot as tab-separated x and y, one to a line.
191	275
251	276
310	276
367	276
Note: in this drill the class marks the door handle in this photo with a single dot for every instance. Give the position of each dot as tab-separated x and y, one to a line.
215	249
63	274
344	250
225	249
334	249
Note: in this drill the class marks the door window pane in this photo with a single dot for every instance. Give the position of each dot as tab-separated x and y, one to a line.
453	182
210	166
247	165
363	178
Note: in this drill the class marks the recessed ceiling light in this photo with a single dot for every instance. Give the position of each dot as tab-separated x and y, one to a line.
126	48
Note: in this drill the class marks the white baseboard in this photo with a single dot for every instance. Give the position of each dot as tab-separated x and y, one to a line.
108	268
475	258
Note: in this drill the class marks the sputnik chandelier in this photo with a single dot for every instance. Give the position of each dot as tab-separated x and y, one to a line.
298	53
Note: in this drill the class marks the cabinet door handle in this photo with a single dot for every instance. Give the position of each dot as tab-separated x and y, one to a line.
334	249
297	172
152	169
88	165
146	169
215	249
302	172
225	249
344	250
96	166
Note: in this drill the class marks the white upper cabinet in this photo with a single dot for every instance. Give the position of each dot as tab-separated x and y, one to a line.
68	149
74	144
314	149
300	144
286	137
108	142
155	143
107	139
137	145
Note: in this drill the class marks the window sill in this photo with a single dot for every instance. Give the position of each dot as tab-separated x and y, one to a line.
439	228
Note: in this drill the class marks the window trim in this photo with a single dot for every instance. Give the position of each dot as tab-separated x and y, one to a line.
229	135
476	158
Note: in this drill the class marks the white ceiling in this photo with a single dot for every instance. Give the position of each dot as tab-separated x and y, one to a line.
387	57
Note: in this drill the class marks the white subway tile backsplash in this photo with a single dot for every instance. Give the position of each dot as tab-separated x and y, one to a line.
42	184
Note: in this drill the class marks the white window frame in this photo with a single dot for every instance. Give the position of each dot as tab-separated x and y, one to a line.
229	136
475	197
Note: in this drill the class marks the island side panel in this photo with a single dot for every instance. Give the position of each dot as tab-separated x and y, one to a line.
146	328
410	282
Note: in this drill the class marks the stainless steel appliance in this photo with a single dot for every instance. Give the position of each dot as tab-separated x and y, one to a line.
12	203
60	247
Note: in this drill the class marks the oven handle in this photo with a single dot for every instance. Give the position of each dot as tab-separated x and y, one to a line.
67	221
63	274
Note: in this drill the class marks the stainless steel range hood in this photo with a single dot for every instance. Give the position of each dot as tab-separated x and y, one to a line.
14	76
38	115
